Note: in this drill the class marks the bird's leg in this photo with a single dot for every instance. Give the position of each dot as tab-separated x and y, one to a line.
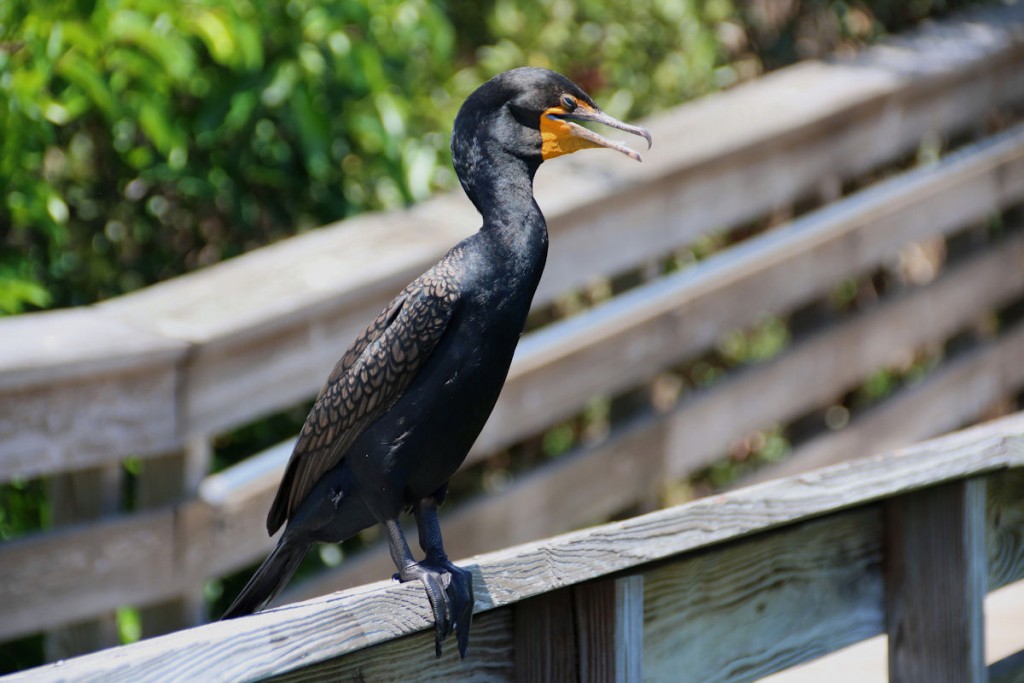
460	586
435	581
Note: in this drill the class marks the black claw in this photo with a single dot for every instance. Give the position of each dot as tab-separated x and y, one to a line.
450	592
438	585
460	597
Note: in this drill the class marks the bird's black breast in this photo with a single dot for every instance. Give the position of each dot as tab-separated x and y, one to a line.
423	439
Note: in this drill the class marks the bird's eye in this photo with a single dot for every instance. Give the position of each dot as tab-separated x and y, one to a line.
568	102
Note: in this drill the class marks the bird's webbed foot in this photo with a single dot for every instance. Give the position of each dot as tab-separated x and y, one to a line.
450	592
449	587
460	600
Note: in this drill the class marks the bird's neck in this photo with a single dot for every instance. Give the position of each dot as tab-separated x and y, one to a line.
501	187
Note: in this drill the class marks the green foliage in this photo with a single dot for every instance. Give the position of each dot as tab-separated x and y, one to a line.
129	625
139	139
635	57
23	508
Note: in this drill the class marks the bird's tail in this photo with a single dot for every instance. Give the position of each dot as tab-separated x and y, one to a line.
269	579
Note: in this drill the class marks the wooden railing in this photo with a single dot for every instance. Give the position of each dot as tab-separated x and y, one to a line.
158	374
729	588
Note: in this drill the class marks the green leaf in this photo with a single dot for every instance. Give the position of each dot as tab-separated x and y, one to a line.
158	127
83	74
213	28
15	293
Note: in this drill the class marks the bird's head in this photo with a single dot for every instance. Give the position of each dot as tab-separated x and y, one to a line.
530	114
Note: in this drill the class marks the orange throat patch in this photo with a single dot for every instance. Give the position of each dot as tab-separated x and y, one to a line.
557	137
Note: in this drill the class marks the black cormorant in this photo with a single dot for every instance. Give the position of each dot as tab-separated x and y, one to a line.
402	407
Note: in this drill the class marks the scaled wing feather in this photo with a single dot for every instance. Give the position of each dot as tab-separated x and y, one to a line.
365	383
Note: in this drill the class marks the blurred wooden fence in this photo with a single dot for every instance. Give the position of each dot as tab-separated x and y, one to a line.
158	374
729	588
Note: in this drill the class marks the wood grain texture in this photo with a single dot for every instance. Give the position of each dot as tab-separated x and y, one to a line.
75	498
1004	537
742	611
127	561
609	616
164	481
411	658
545	639
142	559
935	584
52	347
88	422
589	632
284	639
954	394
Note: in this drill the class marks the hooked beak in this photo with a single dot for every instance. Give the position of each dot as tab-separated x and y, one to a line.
588	138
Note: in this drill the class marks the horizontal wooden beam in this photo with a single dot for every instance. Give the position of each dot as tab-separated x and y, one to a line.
74	382
747	609
283	639
954	394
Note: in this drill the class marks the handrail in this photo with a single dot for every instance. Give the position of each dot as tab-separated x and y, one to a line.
322	629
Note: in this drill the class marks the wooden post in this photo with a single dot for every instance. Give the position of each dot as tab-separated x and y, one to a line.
77	497
935	584
169	480
590	632
610	629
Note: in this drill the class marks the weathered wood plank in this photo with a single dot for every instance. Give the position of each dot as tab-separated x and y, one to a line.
952	395
281	640
77	498
143	559
745	610
88	422
80	389
609	616
545	639
1004	537
628	339
411	658
163	482
935	583
589	632
128	561
76	344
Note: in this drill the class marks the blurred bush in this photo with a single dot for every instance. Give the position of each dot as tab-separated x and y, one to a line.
141	138
635	57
